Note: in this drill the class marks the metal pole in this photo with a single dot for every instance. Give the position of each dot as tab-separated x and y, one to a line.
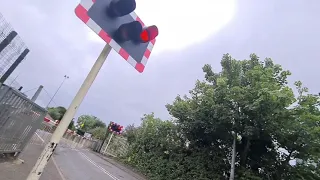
105	149
7	40
14	65
46	154
104	139
36	95
65	77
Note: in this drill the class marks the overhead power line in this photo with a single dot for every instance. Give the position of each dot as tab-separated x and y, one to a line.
49	95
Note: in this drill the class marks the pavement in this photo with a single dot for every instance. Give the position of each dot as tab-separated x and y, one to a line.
67	164
11	171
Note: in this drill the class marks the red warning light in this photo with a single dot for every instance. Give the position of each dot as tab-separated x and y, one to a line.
144	36
149	33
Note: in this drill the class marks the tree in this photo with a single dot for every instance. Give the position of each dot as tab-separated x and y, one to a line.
151	146
130	133
71	126
90	122
57	112
98	132
249	98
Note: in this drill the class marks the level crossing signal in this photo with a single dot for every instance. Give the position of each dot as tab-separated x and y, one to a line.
118	25
114	127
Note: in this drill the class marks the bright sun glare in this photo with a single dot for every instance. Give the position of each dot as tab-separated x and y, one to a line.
182	23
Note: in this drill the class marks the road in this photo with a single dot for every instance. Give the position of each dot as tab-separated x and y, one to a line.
82	164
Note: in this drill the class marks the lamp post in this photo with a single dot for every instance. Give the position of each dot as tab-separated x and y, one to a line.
65	77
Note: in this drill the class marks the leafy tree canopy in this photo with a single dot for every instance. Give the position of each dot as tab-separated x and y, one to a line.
57	112
90	122
251	98
98	132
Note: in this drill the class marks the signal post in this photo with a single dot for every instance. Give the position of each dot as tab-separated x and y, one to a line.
114	128
116	23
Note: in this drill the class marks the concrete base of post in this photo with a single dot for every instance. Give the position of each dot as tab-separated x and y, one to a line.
45	156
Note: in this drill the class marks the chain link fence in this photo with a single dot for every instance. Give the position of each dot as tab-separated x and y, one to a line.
13	50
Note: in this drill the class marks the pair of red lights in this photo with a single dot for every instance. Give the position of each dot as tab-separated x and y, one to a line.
115	127
130	31
133	31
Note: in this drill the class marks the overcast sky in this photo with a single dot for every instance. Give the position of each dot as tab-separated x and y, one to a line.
190	35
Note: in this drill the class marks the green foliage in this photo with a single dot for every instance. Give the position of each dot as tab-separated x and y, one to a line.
57	112
130	133
71	126
248	97
98	132
90	123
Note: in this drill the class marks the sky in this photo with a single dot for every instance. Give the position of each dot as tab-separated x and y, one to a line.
190	35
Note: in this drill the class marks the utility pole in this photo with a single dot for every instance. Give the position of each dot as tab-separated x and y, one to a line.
65	77
36	95
46	154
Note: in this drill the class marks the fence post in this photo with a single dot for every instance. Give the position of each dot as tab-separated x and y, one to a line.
104	152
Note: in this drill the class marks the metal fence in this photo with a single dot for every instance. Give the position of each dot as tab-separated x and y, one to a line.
19	119
13	50
70	139
117	147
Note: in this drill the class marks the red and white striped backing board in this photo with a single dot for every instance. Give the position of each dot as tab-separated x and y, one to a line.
82	13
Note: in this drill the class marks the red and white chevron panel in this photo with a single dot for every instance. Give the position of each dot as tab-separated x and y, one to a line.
82	13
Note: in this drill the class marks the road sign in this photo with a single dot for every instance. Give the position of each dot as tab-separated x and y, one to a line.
103	17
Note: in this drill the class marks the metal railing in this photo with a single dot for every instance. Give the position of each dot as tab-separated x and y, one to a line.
70	140
19	119
118	146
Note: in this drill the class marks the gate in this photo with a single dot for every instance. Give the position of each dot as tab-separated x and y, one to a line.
118	146
19	119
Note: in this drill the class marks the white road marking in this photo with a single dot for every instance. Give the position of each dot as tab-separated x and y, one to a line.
96	165
39	137
59	170
54	161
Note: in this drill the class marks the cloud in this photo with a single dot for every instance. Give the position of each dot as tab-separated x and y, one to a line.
183	23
